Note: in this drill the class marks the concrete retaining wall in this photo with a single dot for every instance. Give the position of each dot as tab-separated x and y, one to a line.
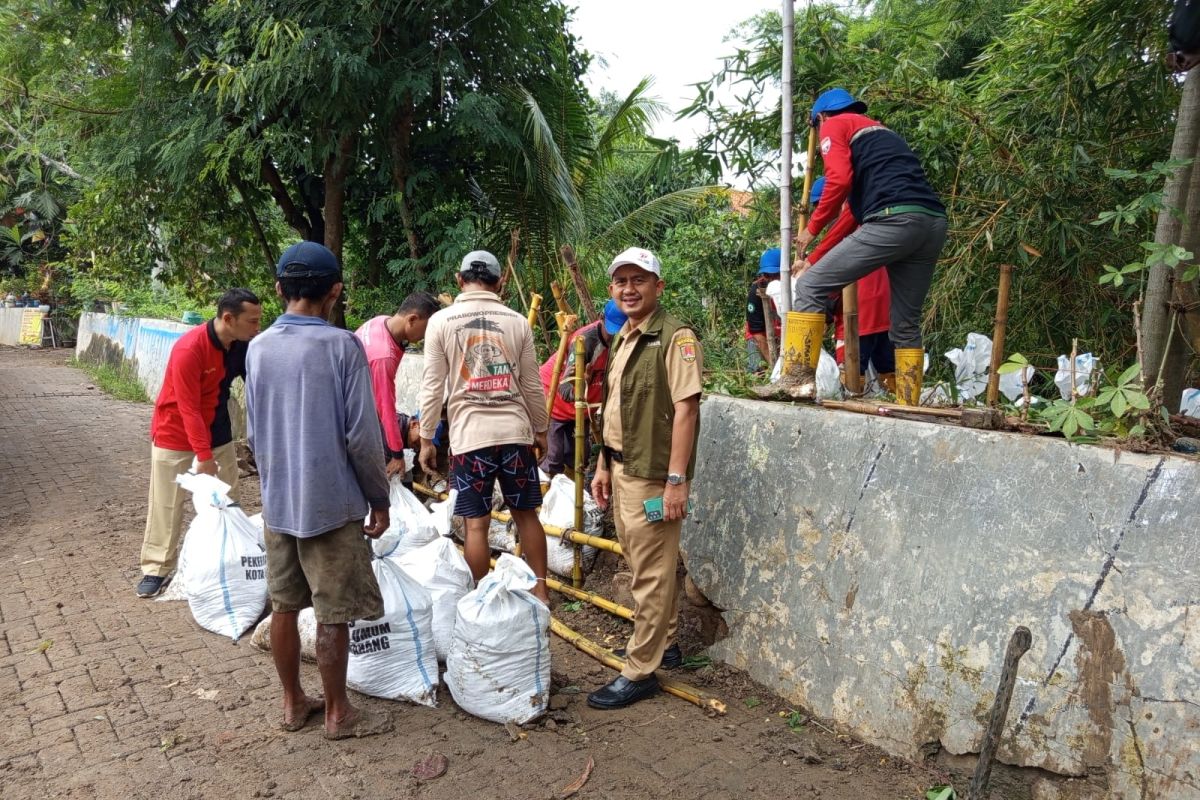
873	570
144	343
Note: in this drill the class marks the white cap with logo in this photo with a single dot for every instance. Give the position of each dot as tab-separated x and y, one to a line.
482	259
638	257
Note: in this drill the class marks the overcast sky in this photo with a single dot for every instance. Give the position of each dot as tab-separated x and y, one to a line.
677	41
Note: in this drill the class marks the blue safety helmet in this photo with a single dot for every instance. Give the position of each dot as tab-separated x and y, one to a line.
439	435
769	262
818	188
614	318
835	100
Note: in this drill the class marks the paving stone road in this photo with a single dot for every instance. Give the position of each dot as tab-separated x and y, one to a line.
103	695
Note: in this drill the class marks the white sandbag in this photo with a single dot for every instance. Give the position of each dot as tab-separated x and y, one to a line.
410	523
306	626
971	364
1189	404
442	570
558	509
1085	364
499	663
393	657
1012	384
224	566
501	536
441	513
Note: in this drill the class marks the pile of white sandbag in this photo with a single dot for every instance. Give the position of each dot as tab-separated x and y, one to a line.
410	524
441	569
499	662
222	565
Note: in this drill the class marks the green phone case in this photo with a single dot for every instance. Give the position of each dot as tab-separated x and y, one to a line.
654	508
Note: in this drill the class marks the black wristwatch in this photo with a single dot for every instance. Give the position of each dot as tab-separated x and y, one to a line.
675	479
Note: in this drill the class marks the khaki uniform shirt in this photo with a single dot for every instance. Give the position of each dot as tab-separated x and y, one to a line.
685	370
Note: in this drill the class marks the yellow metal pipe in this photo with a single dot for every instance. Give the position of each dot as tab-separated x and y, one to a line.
551	530
580	421
669	685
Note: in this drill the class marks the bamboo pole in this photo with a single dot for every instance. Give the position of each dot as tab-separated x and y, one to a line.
850	334
514	244
669	685
769	316
534	305
998	333
551	530
560	299
591	597
787	138
581	290
565	326
580	421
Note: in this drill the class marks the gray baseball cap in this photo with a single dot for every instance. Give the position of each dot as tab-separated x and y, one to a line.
481	258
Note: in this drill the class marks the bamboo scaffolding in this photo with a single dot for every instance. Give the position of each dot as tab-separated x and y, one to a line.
551	530
560	299
580	421
599	601
669	685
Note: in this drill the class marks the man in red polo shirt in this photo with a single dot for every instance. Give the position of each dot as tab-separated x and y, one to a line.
191	421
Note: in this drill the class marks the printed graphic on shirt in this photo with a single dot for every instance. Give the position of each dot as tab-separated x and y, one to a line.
826	146
487	366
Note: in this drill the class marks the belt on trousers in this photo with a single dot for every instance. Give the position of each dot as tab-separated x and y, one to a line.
614	455
905	209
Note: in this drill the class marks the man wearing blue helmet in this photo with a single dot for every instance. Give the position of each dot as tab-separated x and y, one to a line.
757	353
560	440
903	225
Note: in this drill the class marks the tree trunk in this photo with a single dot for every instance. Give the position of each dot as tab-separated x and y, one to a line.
374	276
337	167
1156	322
400	143
283	198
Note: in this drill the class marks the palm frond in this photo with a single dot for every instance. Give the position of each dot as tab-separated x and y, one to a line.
547	175
632	119
646	222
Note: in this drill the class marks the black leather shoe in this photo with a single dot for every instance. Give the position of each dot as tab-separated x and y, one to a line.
623	692
672	657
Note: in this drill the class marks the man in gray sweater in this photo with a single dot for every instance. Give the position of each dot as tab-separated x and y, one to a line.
315	435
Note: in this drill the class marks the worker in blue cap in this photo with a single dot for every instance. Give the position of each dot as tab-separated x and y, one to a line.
758	355
902	223
560	440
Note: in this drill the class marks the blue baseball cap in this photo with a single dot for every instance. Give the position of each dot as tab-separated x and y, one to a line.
307	260
768	263
835	100
818	188
614	318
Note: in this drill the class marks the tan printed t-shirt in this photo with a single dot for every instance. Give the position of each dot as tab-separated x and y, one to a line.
685	368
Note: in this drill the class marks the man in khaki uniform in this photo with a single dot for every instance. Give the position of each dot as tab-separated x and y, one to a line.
650	422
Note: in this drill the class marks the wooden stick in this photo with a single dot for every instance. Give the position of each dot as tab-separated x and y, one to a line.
1018	645
850	332
1001	326
514	242
580	421
669	685
581	289
769	316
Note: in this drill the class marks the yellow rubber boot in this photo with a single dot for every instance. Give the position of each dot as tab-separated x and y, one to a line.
802	352
910	369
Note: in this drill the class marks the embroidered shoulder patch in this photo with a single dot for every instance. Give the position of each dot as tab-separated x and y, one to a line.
687	349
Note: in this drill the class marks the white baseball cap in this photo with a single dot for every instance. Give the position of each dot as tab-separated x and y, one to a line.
638	258
481	259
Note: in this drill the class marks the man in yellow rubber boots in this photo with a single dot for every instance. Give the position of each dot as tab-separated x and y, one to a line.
903	225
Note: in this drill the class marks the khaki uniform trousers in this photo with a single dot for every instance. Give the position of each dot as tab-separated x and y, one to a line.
164	512
652	550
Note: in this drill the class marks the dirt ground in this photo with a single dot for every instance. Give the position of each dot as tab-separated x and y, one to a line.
103	695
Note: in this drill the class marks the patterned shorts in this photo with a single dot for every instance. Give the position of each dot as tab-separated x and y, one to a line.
474	475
